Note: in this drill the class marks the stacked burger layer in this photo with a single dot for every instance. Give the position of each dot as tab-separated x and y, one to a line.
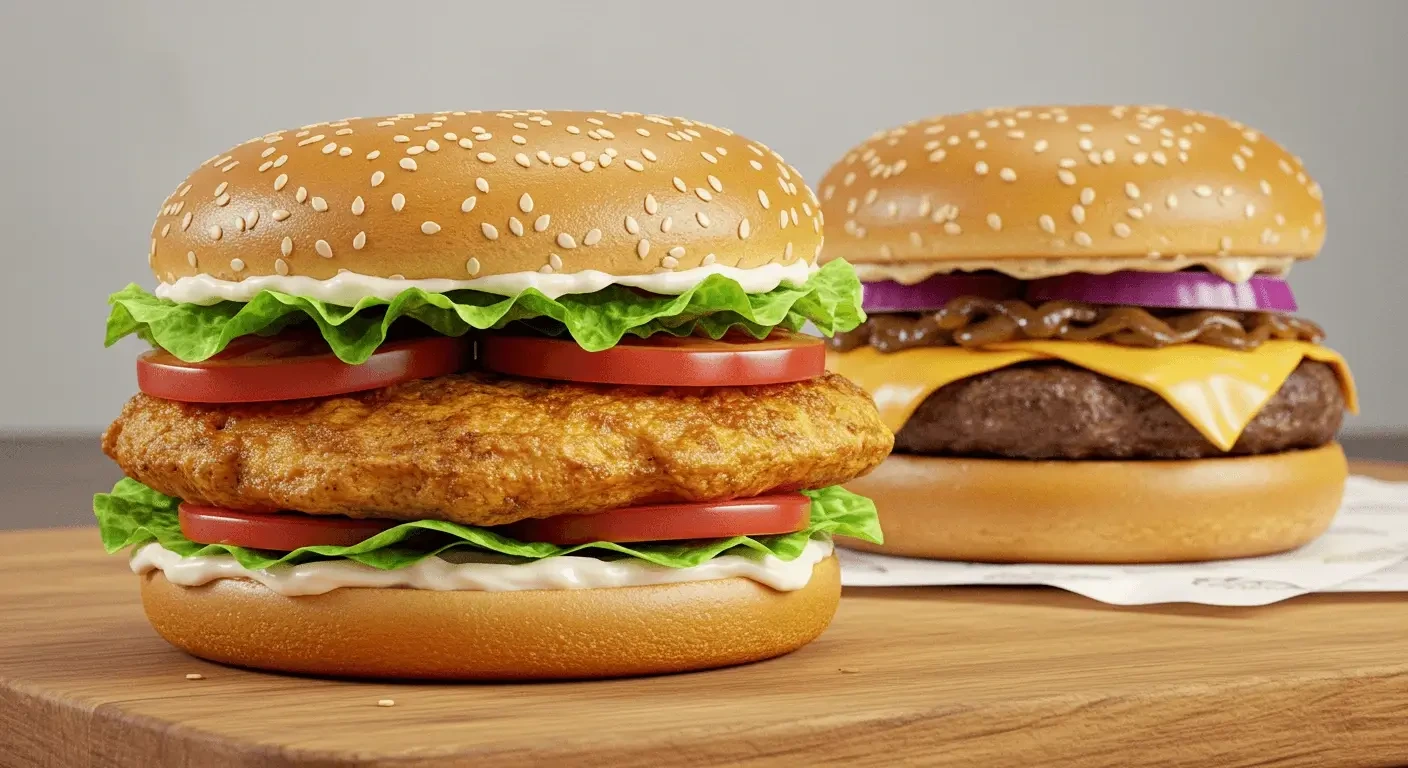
490	395
1080	332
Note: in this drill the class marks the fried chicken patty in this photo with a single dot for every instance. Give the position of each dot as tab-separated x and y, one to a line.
482	449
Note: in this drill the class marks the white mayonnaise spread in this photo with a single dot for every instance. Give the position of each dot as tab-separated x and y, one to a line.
348	288
463	570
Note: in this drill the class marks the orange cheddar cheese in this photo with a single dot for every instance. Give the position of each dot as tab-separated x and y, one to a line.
1219	391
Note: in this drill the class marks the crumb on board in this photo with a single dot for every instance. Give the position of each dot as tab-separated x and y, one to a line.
195	676
847	670
386	703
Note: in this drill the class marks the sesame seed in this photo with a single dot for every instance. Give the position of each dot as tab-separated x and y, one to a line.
703	218
592	237
486	157
252	219
279	214
708	156
1066	177
648	155
466	143
565	240
952	228
281	266
554	261
490	231
1086	144
643	248
651	206
1122	229
374	154
1239	162
472	266
319	204
541	224
280	182
515	226
1082	238
215	232
398	201
1067	162
415	150
667	224
222	200
1202	190
980	168
482	184
1265	187
191	258
1171	201
429	227
995	221
1007	174
1078	213
377	178
676	252
763	199
1087	196
679	184
743	229
1280	220
587	167
522	160
1047	224
703	194
483	136
1159	157
401	138
301	195
323	249
359	241
329	147
1141	158
1131	190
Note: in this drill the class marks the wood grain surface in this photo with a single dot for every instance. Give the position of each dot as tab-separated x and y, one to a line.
985	677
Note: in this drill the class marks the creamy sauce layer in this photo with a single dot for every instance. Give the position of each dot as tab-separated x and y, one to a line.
348	288
462	570
1237	269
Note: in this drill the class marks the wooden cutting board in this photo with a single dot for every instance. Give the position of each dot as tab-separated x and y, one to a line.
986	677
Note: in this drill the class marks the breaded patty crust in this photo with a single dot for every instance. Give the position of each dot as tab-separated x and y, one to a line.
481	449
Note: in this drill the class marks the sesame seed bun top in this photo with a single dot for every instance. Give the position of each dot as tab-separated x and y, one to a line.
463	195
1037	191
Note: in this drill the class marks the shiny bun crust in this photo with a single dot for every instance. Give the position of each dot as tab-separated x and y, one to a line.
996	510
566	633
1035	191
459	195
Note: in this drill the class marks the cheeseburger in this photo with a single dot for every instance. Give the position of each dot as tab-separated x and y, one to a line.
1080	330
489	395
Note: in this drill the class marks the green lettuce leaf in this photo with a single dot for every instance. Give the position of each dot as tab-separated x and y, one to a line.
830	299
133	515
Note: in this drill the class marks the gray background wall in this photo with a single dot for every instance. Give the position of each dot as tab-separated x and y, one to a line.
108	105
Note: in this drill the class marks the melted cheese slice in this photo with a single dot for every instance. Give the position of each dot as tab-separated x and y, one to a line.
1219	391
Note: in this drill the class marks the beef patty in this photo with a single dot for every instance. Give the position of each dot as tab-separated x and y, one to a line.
1057	411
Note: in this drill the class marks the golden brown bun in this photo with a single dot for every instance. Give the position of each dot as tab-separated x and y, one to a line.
1036	191
460	195
411	633
995	510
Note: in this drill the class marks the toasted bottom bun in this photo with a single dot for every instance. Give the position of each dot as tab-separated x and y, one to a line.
999	510
568	633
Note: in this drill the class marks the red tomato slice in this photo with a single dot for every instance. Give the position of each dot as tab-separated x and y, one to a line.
758	516
661	360
279	531
294	365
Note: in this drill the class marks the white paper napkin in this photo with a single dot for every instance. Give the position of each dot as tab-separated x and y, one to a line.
1366	549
